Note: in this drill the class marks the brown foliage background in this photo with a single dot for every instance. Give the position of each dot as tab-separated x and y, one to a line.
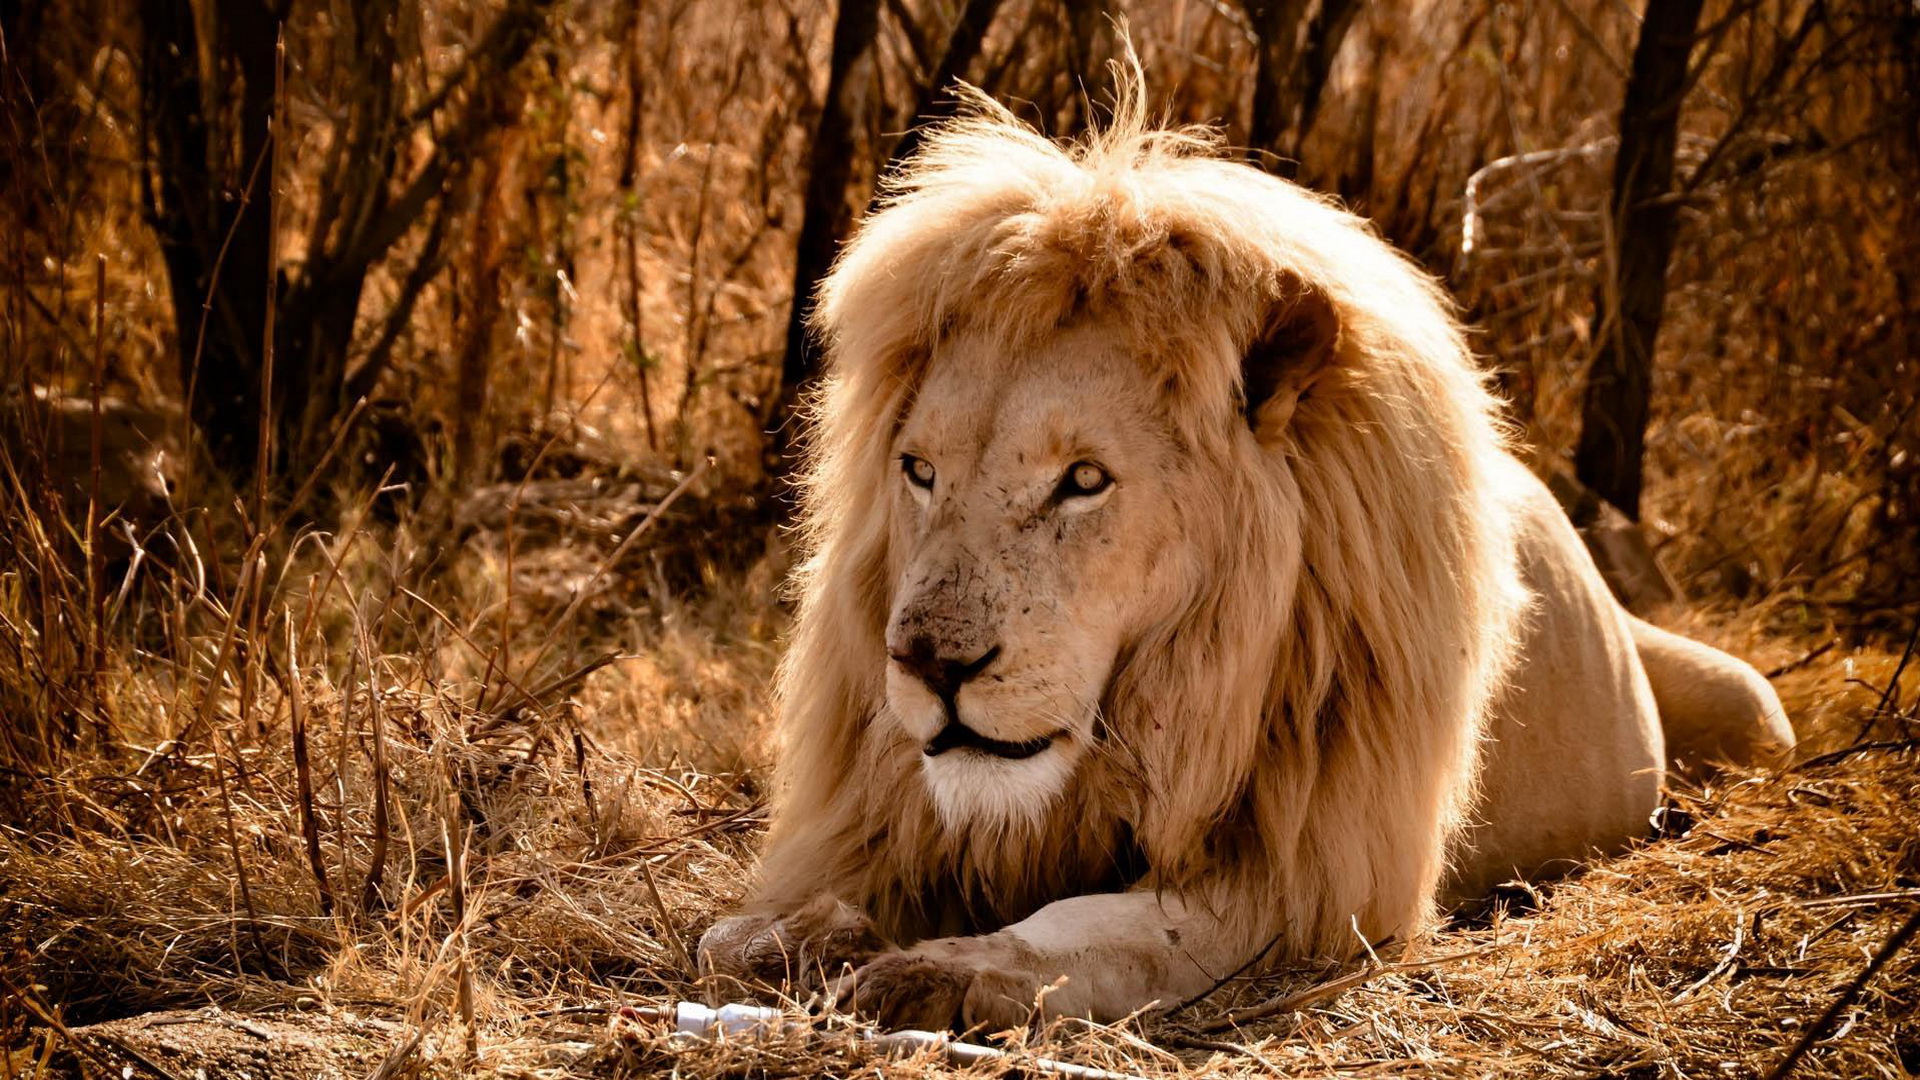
618	248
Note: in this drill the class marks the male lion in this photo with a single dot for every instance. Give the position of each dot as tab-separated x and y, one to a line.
1174	601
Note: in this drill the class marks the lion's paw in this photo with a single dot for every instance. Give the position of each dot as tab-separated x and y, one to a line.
956	983
821	937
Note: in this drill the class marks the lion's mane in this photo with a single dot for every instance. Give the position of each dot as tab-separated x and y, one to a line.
1297	746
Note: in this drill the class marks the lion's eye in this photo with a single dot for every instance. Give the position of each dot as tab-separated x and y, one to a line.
1084	478
919	471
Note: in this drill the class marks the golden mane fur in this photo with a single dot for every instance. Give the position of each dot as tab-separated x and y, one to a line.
1298	764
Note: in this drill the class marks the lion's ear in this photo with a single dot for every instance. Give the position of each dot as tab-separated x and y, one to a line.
1295	346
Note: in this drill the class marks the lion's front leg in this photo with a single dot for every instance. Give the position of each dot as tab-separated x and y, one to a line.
1101	957
820	937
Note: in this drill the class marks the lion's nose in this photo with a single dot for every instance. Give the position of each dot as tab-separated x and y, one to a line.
943	672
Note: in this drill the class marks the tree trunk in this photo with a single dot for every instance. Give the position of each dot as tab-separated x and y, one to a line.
1084	19
1277	25
936	100
1630	301
1325	34
824	221
1296	42
213	223
209	193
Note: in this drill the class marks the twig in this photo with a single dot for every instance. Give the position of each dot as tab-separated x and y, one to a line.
574	1010
397	1058
361	380
667	929
263	445
1796	665
1726	963
456	844
303	770
96	562
1891	695
558	685
1861	898
1294	1002
1858	748
1819	1028
1227	978
377	860
239	1024
249	579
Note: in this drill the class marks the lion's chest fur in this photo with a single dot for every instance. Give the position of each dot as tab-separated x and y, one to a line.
979	880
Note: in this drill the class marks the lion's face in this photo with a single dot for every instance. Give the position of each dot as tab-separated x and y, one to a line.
1035	529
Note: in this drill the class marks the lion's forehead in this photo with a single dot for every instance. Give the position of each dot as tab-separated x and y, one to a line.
1004	407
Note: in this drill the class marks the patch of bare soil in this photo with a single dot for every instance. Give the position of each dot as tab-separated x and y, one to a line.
214	1044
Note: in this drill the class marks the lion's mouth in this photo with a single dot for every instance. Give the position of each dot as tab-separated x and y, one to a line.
958	736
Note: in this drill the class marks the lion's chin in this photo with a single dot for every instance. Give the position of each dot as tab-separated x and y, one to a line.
975	789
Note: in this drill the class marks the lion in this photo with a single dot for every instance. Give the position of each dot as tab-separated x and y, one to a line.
1174	604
